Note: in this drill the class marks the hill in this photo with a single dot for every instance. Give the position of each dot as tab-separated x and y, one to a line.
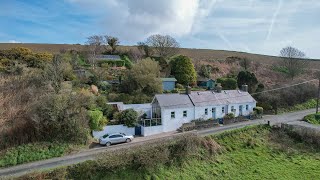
196	54
262	65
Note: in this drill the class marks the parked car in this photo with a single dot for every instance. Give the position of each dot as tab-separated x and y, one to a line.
109	139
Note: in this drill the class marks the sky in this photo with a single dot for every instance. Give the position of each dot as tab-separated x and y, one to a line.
254	26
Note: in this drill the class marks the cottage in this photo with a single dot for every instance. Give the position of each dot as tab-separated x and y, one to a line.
168	84
167	112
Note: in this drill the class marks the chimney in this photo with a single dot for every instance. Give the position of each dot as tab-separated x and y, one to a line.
219	88
188	90
244	88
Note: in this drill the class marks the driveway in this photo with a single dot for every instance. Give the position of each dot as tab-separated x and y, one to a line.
91	153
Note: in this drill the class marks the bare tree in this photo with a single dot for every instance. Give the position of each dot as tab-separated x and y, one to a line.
145	48
95	46
294	60
164	46
54	73
113	42
245	63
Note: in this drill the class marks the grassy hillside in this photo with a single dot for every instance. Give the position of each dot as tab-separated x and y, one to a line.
197	54
251	153
261	66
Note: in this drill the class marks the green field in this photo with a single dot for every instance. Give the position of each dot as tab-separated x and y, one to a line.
250	153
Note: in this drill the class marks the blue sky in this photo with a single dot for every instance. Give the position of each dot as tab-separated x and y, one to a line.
256	26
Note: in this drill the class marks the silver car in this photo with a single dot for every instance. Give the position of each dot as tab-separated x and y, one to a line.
115	138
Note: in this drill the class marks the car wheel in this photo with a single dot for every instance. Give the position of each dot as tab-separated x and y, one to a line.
128	140
108	144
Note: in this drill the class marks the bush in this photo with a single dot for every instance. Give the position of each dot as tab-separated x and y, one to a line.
128	117
61	117
97	120
227	83
175	91
312	118
258	110
179	86
32	152
229	116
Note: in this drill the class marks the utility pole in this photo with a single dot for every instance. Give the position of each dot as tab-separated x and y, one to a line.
318	97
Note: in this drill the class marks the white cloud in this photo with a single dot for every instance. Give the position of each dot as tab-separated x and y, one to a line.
257	26
133	20
14	41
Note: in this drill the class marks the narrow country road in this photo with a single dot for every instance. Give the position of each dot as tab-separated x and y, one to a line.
91	153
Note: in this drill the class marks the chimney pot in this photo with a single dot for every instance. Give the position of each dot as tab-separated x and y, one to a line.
244	88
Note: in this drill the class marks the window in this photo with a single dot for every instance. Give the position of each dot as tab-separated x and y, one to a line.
233	109
206	111
222	110
185	113
173	115
214	110
247	107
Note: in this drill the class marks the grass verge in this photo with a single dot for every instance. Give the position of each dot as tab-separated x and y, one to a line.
257	152
34	152
312	119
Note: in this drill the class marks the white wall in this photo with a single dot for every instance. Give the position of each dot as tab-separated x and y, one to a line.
147	131
200	111
172	124
114	129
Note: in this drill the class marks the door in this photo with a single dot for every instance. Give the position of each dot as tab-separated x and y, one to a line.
240	110
137	130
226	109
214	113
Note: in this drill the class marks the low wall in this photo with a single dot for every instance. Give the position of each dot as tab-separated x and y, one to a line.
151	130
114	129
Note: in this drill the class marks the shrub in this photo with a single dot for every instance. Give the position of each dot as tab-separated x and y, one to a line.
175	91
258	110
97	120
128	117
61	117
227	83
312	118
229	116
179	86
31	152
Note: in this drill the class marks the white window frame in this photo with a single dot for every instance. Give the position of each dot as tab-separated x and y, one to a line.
222	110
247	107
173	114
185	113
206	111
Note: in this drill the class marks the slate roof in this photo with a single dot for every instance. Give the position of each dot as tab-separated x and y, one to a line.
169	79
108	57
206	98
174	100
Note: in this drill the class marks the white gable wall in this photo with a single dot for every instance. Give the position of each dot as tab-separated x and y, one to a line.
172	124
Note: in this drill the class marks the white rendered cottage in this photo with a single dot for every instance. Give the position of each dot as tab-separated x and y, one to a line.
167	112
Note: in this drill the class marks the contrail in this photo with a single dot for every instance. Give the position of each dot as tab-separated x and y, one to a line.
274	19
225	39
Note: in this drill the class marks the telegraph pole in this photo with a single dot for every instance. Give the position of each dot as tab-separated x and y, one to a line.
318	97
